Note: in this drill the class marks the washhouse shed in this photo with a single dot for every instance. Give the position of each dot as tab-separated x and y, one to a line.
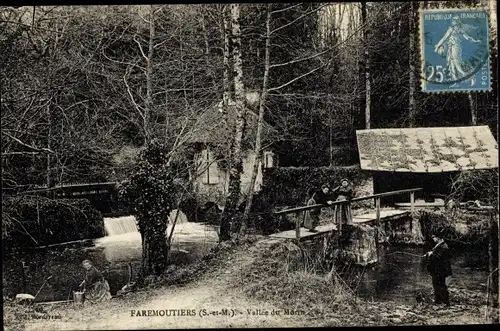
424	157
211	139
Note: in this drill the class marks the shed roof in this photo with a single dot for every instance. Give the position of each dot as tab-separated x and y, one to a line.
438	149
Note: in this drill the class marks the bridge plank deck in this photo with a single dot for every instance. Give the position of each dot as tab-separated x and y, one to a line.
385	215
304	232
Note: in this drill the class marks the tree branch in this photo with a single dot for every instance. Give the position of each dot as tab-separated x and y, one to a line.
298	18
46	150
296	78
122	62
301	59
132	99
142	18
285	9
140	48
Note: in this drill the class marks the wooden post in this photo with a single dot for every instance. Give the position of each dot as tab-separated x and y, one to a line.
23	276
377	213
412	204
377	208
412	209
297	227
338	218
377	225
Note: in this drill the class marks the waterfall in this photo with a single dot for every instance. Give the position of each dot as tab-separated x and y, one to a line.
119	225
127	224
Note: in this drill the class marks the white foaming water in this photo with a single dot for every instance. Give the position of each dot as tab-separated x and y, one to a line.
123	242
119	225
127	224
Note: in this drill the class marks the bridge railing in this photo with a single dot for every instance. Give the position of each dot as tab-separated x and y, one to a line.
83	188
336	203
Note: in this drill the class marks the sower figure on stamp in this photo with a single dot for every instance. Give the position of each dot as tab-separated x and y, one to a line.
342	212
454	37
439	266
320	197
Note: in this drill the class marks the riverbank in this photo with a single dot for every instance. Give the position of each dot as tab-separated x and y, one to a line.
218	293
117	256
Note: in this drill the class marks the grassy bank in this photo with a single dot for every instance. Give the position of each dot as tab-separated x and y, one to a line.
267	275
275	272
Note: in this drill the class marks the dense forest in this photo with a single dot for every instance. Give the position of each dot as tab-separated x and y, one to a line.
85	89
121	97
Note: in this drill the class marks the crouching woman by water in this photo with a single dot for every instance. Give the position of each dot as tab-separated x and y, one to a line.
96	288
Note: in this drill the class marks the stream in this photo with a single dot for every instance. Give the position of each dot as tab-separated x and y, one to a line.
400	274
397	277
112	255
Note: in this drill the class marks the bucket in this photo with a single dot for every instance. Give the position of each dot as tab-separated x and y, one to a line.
78	297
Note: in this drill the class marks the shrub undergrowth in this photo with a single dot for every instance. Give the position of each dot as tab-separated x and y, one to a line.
29	221
282	273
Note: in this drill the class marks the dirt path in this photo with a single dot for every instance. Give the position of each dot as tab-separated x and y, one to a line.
196	301
204	303
193	299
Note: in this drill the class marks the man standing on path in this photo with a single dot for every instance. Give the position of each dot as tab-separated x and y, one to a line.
439	266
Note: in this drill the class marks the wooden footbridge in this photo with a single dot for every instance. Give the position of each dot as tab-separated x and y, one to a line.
373	218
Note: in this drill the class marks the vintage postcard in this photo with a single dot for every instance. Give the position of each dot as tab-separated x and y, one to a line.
249	165
455	53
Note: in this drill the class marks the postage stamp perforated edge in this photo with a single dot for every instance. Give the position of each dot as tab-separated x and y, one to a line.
421	39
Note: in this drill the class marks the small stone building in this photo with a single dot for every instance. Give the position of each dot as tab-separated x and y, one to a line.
212	137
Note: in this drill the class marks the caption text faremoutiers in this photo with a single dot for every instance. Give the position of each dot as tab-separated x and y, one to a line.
213	312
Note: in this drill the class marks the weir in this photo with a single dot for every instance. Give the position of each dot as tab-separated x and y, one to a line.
119	225
127	224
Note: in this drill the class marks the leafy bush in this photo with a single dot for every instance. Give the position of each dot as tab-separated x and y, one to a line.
476	185
29	221
151	194
458	229
283	273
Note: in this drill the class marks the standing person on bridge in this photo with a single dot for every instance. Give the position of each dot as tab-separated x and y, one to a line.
342	212
320	197
439	266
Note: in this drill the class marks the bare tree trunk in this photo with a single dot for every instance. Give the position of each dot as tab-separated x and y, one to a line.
493	305
411	101
149	74
330	132
473	113
226	96
367	68
49	134
260	121
154	252
205	37
154	243
234	189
